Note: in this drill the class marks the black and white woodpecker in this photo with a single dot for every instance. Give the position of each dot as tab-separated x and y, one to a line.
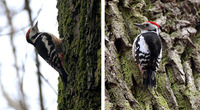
147	52
50	48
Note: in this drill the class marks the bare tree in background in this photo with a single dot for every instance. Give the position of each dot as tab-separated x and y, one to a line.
21	103
28	9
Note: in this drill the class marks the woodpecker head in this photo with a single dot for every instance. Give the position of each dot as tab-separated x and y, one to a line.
31	32
148	26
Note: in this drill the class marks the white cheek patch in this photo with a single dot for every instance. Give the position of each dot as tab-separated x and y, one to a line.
33	40
31	33
44	39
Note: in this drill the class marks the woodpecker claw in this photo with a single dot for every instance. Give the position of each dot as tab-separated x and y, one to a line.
60	55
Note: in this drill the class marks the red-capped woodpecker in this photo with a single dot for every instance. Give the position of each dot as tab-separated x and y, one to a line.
147	52
49	48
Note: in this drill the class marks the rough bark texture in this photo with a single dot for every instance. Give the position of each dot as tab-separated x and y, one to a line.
79	24
178	77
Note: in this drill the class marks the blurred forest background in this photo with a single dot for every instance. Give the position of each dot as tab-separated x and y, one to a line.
27	82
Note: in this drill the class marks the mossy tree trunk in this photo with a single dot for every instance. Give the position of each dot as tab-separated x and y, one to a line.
79	24
178	77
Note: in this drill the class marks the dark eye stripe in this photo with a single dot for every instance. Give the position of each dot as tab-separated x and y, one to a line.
154	30
33	37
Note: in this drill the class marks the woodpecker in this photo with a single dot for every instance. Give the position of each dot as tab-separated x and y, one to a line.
147	52
50	48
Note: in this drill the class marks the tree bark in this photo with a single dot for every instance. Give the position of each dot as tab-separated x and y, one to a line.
79	24
178	77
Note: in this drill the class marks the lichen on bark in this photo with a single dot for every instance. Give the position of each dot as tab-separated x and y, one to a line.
178	85
79	25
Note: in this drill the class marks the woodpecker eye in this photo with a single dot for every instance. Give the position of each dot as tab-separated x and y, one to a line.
146	25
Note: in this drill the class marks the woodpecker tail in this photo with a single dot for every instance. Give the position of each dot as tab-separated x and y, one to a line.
149	79
63	74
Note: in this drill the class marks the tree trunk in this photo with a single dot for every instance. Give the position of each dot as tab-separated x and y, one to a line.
178	77
79	24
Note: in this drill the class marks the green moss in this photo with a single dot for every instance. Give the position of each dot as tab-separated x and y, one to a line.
160	100
147	106
183	103
117	98
149	5
113	97
129	68
146	10
107	106
161	82
163	102
130	17
127	106
186	54
170	74
174	34
83	31
97	75
197	36
142	98
193	95
167	13
164	60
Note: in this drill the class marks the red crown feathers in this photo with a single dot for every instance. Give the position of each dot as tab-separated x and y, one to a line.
28	32
153	23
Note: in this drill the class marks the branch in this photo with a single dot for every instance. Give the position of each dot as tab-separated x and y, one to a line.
28	9
20	83
49	84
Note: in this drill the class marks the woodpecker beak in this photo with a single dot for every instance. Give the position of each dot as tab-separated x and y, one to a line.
141	26
136	24
36	26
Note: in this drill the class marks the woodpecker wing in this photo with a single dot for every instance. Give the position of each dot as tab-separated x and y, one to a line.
46	48
147	49
58	43
140	49
154	45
